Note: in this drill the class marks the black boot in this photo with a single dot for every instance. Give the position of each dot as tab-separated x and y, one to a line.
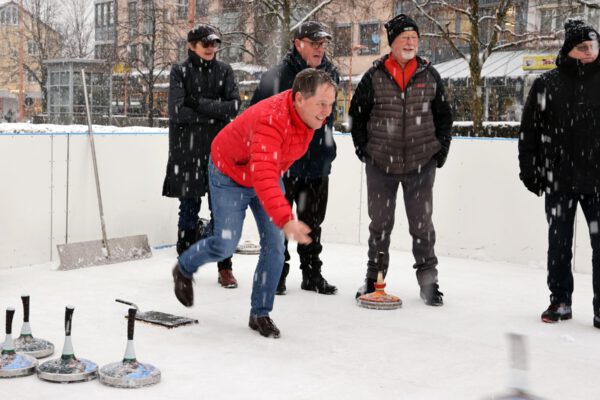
368	287
281	288
313	280
431	295
184	291
185	238
557	312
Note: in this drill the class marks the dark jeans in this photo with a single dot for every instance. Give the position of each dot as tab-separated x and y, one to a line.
310	196
560	212
189	220
382	190
230	202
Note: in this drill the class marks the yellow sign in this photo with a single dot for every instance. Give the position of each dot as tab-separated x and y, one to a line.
534	63
121	68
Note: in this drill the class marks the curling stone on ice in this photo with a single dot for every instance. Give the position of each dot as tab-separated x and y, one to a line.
13	364
129	373
379	299
68	368
26	343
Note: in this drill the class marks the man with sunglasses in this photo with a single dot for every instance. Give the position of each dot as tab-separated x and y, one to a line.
559	155
401	123
203	98
307	181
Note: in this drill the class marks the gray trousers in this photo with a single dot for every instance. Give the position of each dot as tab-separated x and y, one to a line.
382	191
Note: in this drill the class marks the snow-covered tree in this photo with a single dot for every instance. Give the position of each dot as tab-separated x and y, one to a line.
77	29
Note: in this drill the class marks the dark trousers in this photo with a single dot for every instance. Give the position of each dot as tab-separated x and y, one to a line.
560	213
382	189
310	197
189	220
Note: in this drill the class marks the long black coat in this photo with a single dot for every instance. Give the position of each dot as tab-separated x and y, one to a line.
316	162
559	145
203	98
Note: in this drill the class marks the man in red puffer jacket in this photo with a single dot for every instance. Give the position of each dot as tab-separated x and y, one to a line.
248	158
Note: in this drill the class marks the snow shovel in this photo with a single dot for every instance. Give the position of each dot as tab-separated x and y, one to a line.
99	252
159	318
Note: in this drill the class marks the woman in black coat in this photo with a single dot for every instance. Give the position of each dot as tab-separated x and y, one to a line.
203	98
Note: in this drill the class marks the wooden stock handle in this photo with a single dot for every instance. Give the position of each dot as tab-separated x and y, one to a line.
10	313
131	323
68	319
25	300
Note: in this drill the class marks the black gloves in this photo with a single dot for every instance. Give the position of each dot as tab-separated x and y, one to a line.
191	102
534	185
441	157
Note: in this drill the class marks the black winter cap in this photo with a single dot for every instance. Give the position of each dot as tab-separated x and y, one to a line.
577	31
400	23
313	30
204	33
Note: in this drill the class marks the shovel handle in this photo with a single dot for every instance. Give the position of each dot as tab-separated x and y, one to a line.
10	313
68	319
128	303
131	323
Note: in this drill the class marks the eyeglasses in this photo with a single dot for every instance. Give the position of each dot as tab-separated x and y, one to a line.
214	44
408	38
586	47
316	45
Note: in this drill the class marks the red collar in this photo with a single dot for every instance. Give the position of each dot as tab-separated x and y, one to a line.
401	75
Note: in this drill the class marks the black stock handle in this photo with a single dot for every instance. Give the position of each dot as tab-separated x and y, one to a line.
25	300
68	319
131	323
10	313
380	256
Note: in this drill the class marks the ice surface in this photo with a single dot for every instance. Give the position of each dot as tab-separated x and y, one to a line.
329	347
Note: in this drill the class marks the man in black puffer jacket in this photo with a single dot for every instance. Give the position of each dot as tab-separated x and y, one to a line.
559	155
307	181
203	98
401	124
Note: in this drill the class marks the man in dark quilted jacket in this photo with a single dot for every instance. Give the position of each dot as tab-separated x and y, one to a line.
401	124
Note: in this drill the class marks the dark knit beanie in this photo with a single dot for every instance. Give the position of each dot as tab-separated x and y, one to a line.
204	33
400	23
577	31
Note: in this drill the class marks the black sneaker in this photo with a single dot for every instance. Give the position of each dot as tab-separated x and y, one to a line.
368	287
557	312
431	295
314	281
264	325
184	291
281	288
596	322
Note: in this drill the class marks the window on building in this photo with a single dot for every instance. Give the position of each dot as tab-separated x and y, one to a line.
549	20
342	40
30	77
146	53
32	48
181	49
148	8
132	19
132	52
202	7
9	16
182	9
370	38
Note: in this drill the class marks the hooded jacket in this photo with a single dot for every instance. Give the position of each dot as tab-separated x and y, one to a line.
203	98
317	161
559	144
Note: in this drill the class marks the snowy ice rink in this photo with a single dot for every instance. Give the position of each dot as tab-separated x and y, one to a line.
329	348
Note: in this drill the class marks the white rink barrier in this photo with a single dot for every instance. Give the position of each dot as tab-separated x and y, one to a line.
481	209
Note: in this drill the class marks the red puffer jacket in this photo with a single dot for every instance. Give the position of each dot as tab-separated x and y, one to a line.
259	146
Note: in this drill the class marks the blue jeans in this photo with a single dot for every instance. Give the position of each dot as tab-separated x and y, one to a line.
229	203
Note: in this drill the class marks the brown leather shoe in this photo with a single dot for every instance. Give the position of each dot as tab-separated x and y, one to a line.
226	279
184	291
264	325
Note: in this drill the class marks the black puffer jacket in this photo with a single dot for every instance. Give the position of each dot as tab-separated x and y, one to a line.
321	152
203	98
400	131
559	145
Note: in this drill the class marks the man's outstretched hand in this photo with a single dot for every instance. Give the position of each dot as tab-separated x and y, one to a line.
298	231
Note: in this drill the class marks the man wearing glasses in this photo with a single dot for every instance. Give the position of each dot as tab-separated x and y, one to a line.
401	124
559	155
203	98
307	181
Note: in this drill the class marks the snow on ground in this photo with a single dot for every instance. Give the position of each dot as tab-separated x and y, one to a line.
329	348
